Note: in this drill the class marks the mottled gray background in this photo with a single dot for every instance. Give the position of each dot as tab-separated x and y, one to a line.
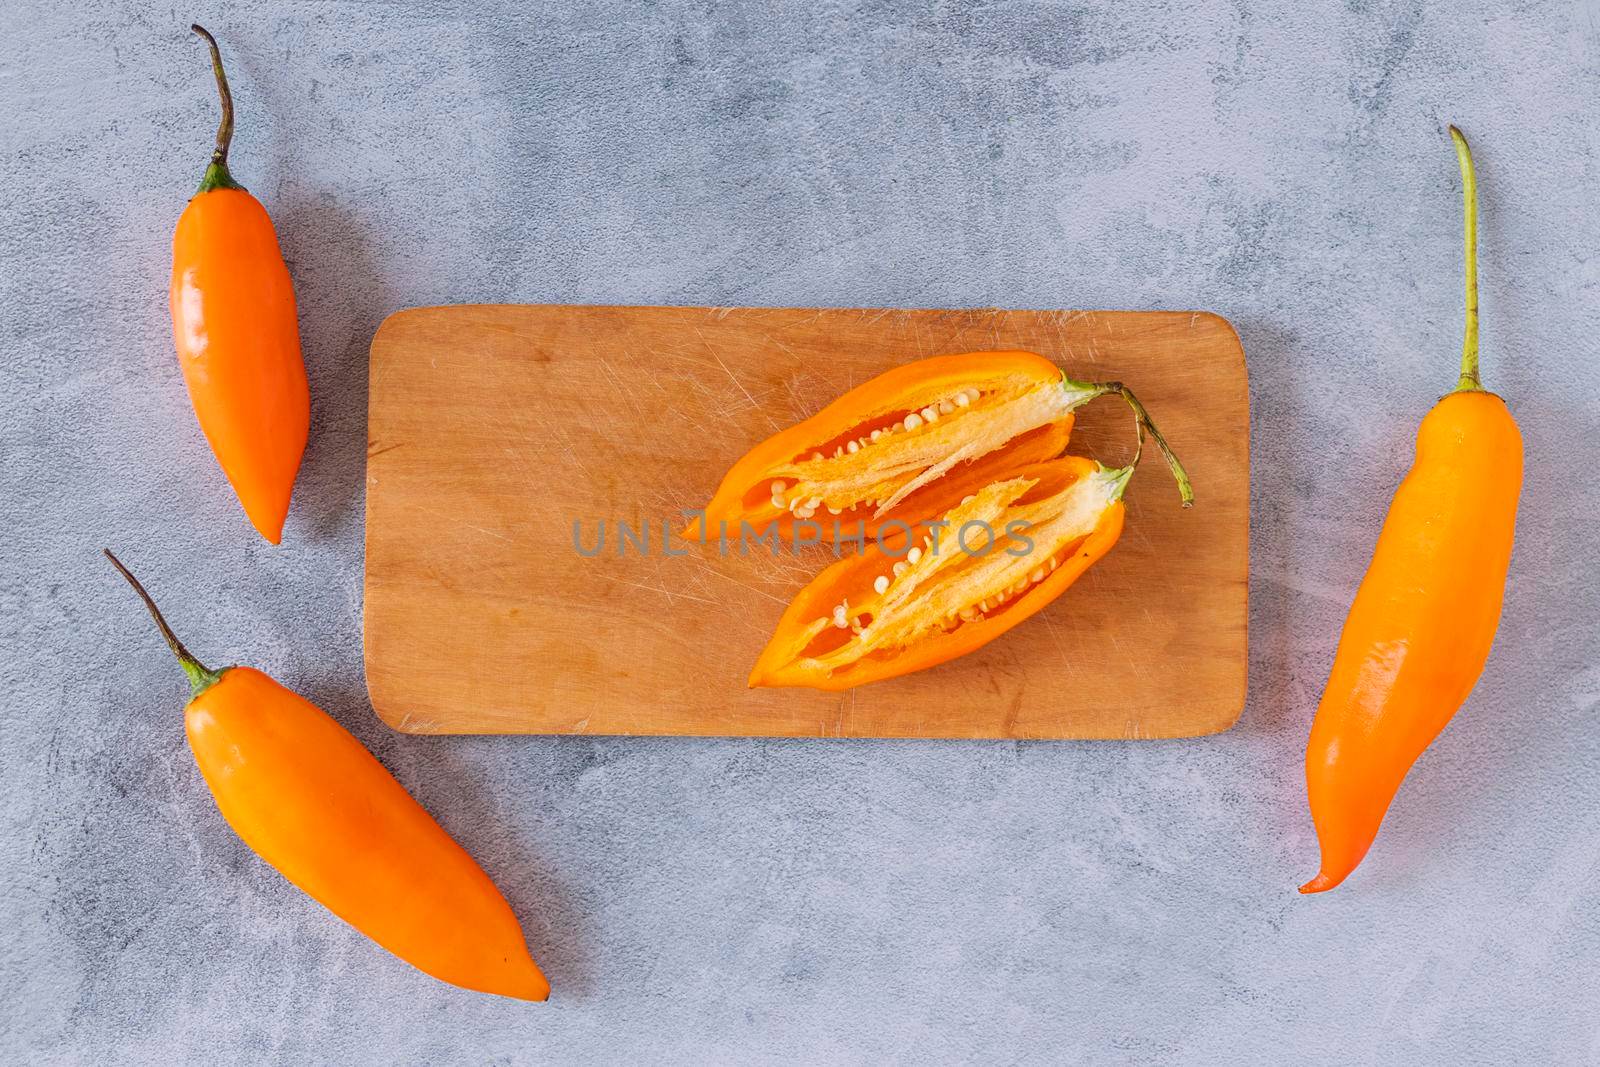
1284	164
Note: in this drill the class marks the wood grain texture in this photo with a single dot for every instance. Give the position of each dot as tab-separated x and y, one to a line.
493	429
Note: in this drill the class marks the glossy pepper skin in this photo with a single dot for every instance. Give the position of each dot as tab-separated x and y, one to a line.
1419	632
237	335
309	799
881	404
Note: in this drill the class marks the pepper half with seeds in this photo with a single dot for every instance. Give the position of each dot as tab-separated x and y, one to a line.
874	455
999	555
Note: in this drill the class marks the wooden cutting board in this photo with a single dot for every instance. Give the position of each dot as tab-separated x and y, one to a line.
493	429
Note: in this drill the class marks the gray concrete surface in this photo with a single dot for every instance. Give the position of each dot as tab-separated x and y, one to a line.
1282	163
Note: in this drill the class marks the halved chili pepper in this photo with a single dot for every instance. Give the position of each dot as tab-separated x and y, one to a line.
996	557
869	457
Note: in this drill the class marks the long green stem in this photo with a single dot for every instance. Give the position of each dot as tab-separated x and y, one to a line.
1145	425
217	175
201	677
1469	195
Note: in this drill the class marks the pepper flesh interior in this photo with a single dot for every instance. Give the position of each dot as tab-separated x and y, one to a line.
943	590
884	459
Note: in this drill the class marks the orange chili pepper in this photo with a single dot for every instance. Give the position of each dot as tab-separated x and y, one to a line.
1419	632
310	800
238	340
869	457
897	607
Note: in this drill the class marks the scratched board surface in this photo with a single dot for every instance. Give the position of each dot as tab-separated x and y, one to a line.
496	431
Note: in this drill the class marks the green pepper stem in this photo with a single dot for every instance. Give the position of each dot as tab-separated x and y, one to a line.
201	678
217	175
1469	380
1145	425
